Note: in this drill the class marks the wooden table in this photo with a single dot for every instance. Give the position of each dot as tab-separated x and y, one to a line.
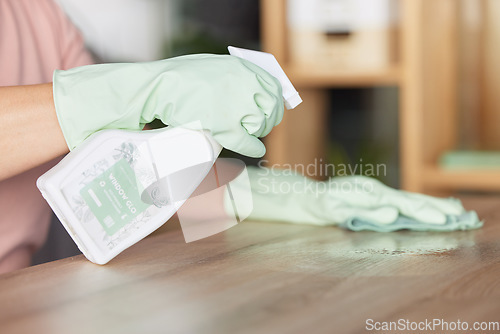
266	278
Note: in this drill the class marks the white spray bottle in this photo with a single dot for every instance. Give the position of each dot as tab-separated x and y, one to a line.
119	186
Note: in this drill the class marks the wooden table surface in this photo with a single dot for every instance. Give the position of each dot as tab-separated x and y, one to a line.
266	278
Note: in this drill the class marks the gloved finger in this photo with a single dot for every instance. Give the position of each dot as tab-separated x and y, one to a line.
375	194
266	80
254	124
272	86
242	143
449	206
271	108
381	215
356	191
415	208
274	108
370	193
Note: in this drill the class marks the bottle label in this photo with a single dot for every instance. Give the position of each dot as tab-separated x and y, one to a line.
114	197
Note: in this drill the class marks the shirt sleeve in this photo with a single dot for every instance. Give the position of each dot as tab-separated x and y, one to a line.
36	38
72	47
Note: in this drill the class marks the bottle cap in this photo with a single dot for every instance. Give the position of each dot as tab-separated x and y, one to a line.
269	63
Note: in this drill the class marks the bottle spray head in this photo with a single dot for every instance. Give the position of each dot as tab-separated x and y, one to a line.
269	63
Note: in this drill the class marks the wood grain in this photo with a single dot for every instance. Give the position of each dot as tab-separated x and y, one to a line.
274	26
265	278
470	53
490	76
300	137
327	77
440	78
436	69
486	180
411	91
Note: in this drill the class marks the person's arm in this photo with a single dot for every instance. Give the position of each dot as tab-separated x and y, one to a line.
240	103
29	131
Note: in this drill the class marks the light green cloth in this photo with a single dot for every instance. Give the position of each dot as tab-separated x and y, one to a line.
470	159
234	99
354	202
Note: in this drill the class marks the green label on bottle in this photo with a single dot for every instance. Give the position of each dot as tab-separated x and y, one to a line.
114	197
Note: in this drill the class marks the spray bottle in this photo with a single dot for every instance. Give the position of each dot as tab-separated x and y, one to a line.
119	186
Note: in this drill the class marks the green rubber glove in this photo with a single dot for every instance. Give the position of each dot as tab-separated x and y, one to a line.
234	99
278	195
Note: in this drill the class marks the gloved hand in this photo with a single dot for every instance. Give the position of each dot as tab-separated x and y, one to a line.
282	196
234	99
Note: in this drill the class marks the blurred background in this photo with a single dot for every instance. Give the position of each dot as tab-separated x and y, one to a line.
362	120
410	85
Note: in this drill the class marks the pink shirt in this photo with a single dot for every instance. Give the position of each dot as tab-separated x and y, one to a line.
35	39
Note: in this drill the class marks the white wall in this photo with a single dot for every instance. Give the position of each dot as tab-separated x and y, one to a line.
124	30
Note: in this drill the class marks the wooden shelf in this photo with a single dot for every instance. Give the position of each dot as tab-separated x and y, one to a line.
318	77
470	179
425	68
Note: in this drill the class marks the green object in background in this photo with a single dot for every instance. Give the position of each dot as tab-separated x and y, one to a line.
192	41
470	160
234	99
367	153
281	195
